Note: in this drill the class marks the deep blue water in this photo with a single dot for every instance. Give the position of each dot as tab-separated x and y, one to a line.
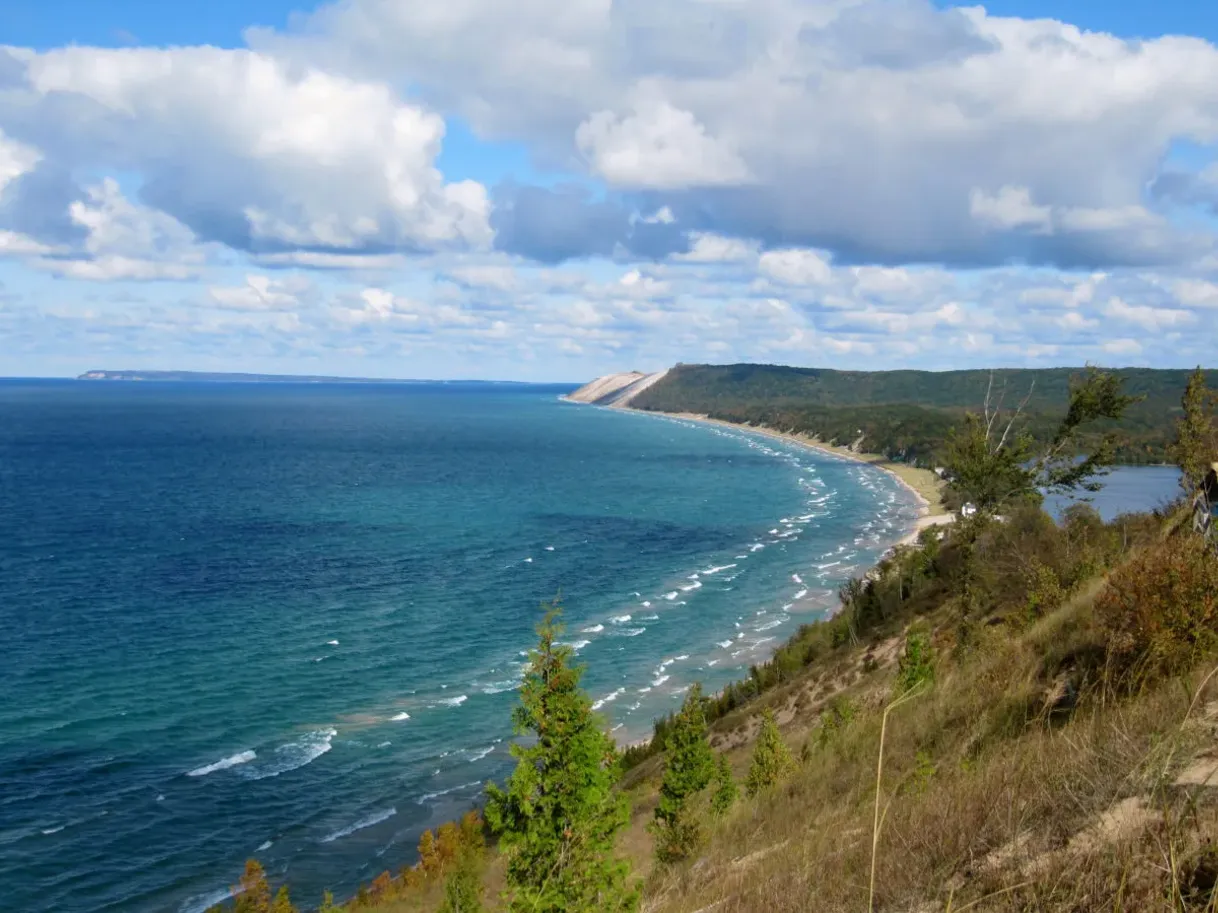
287	621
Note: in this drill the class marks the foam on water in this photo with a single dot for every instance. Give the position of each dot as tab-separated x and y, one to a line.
398	717
593	629
241	757
613	696
308	748
374	818
453	701
428	797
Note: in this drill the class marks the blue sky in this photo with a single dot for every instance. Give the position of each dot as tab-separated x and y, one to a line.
558	188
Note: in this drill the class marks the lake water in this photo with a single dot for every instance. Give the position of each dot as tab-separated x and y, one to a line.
288	621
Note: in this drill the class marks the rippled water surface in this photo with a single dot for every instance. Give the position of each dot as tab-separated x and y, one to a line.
288	621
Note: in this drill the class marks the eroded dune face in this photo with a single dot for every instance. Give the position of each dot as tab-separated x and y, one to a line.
615	389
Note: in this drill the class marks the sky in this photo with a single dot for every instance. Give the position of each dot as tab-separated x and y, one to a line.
554	189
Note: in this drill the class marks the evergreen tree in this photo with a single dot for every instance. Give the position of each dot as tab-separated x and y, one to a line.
687	771
559	814
771	759
726	791
1196	444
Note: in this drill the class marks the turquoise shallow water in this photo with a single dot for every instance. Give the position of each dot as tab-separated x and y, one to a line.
287	621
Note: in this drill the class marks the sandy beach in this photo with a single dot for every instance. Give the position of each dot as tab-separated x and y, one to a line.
924	485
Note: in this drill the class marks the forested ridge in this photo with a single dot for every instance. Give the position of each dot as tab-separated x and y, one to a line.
906	415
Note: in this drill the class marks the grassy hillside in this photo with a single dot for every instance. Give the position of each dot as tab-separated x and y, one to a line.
906	414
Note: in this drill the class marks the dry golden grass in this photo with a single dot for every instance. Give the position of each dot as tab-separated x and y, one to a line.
989	800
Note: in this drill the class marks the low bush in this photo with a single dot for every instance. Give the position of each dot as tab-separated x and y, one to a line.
1160	609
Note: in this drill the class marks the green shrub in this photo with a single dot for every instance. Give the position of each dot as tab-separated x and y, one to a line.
917	663
1160	609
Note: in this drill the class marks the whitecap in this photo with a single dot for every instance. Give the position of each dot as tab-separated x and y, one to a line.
649	618
398	717
787	607
264	846
500	687
644	690
241	757
454	701
549	548
374	818
613	696
630	632
308	748
427	797
670	596
477	754
201	903
801	594
797	578
619	619
712	662
528	560
331	643
660	679
576	645
693	586
53	830
756	547
646	604
770	624
725	644
716	570
593	629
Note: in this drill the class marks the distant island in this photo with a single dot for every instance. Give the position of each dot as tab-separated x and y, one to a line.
238	378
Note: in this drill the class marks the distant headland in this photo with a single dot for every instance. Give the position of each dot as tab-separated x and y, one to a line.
238	378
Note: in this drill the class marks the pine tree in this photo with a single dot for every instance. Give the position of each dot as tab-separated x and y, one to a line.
771	759
559	814
1196	444
726	791
687	771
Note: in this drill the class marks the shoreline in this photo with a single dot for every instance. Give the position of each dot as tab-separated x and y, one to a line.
930	513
